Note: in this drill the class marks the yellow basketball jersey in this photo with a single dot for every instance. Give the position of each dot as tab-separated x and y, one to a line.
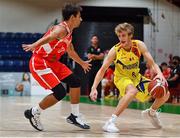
127	62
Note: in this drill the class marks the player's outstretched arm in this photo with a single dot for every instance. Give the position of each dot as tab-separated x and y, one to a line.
57	32
72	54
151	62
99	76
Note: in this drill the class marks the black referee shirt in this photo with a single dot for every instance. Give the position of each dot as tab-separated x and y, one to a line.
95	51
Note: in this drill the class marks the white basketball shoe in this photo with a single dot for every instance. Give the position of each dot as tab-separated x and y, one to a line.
34	119
110	127
154	119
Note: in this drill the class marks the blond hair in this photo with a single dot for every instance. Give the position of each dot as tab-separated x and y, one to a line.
124	27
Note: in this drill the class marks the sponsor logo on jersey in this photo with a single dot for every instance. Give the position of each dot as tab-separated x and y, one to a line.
128	67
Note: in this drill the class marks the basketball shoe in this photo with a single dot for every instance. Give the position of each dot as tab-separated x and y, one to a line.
110	127
34	119
154	119
77	121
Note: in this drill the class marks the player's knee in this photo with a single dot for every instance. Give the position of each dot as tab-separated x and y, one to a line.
165	97
132	92
59	92
75	82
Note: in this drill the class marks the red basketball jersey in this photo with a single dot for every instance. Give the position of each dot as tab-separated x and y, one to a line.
53	50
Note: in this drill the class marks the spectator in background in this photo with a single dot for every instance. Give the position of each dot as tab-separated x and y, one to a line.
95	53
165	70
170	60
108	81
106	53
174	78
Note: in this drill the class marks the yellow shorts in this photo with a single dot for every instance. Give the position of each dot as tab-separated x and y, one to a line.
141	83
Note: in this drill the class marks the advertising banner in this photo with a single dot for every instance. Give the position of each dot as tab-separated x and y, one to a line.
15	84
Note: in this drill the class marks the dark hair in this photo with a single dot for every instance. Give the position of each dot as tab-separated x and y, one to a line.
164	64
70	9
94	35
23	79
176	58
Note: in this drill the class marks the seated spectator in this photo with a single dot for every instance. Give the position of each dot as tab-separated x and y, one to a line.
107	82
174	78
165	70
170	60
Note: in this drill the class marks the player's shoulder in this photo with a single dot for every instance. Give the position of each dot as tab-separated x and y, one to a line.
136	48
117	47
137	42
61	28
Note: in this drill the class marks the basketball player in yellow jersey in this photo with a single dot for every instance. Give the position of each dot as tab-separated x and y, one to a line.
126	55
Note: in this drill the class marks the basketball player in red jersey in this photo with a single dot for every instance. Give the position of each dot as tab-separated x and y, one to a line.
49	72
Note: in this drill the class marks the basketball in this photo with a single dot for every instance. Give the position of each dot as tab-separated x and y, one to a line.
157	89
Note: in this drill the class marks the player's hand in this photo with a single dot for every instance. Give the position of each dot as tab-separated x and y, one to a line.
161	77
28	47
93	94
86	66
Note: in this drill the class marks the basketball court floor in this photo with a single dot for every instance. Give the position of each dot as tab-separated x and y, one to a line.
130	123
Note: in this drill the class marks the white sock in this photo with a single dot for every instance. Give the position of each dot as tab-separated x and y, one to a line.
75	109
113	118
36	110
152	111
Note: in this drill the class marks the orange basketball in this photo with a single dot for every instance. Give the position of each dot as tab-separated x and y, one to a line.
157	89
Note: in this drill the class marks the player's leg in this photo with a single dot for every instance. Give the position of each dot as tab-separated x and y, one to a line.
34	113
66	75
151	114
160	101
128	91
58	94
126	99
75	117
47	79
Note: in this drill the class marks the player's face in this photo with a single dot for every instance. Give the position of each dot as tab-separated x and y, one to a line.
77	20
124	38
